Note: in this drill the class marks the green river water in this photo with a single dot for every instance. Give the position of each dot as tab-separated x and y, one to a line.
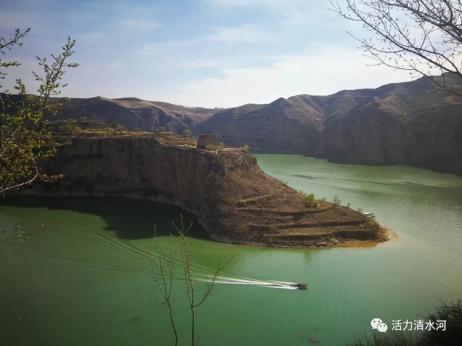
87	279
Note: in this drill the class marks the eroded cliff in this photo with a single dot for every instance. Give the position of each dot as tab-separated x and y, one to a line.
411	123
233	199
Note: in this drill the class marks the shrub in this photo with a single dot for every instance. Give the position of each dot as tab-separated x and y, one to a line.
390	339
336	200
452	313
310	201
187	133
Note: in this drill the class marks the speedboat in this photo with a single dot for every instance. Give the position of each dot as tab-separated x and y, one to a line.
300	285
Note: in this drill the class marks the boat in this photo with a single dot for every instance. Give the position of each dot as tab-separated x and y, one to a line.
369	214
300	285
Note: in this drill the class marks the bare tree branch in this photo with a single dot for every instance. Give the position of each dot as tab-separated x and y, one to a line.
166	278
420	36
187	272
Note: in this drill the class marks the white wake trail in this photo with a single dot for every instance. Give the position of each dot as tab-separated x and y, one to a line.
249	282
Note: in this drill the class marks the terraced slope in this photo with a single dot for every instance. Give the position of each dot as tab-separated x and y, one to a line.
233	199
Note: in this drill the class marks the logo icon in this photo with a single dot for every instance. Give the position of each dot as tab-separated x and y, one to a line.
378	324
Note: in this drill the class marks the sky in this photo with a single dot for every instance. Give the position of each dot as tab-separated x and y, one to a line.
210	53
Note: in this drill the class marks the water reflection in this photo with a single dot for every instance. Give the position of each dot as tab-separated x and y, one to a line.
405	279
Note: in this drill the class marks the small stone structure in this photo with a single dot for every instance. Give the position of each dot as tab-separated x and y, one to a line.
208	139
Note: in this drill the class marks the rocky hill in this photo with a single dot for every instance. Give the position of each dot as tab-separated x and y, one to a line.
413	123
232	198
135	114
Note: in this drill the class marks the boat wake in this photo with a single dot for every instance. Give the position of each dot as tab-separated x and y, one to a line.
285	285
201	273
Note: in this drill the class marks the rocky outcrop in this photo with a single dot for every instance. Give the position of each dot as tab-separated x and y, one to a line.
135	114
277	127
233	199
131	113
413	123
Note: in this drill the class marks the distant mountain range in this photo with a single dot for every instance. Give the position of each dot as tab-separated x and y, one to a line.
136	114
412	123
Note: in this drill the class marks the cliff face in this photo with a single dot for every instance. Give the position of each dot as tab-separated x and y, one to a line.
232	198
140	167
277	127
413	123
432	140
371	138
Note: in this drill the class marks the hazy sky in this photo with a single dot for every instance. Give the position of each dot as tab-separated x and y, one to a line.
196	52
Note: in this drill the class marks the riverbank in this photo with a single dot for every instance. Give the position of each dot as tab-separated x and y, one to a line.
97	286
232	198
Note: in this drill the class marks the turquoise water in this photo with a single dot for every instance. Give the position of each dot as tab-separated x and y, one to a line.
87	279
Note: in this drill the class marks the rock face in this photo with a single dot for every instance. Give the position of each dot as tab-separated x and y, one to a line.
412	123
136	114
280	126
232	198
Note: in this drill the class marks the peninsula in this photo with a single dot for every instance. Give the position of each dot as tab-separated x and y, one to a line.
232	198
